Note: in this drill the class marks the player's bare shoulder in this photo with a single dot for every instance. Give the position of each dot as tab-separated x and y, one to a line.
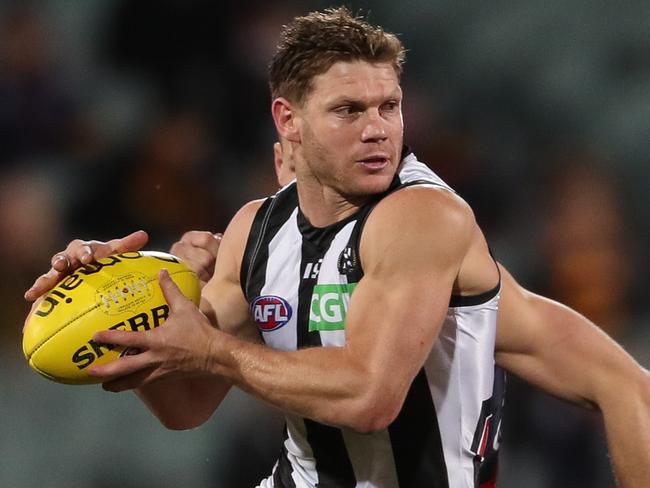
232	246
222	298
235	236
418	217
240	225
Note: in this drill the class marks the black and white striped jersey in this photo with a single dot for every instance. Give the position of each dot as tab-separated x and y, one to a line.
298	280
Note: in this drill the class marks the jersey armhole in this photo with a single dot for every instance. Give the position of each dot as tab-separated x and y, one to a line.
481	298
253	243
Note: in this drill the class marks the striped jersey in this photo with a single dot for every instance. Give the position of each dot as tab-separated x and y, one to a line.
298	280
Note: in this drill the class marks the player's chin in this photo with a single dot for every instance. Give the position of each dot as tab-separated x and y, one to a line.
372	184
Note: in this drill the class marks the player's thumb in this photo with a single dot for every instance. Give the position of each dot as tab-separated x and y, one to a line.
172	293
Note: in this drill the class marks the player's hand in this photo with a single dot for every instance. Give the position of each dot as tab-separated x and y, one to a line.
79	253
198	249
181	347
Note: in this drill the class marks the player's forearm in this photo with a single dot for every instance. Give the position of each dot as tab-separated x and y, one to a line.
325	384
185	403
626	412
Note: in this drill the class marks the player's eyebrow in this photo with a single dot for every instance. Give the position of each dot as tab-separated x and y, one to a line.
358	102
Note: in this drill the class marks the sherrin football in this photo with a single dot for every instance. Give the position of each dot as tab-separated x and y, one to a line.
117	292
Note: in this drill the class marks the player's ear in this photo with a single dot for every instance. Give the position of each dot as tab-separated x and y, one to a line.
286	119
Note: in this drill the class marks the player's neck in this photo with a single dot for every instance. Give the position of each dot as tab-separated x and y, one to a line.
323	206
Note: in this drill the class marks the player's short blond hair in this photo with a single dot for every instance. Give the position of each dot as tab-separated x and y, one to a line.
311	44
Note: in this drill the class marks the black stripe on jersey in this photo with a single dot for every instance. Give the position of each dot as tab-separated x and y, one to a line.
332	461
253	246
415	435
271	215
282	475
328	447
310	255
322	237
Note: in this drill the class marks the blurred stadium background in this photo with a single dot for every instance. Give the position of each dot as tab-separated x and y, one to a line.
117	115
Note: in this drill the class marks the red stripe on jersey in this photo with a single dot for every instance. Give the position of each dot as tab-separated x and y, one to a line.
484	437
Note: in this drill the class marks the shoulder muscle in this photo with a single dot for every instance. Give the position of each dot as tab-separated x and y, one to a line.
418	226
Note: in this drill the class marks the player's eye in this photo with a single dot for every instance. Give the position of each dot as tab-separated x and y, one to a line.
391	106
347	110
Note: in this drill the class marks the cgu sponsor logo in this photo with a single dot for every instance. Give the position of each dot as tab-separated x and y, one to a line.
270	312
89	352
329	306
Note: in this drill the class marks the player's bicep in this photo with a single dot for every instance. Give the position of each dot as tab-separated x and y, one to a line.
392	323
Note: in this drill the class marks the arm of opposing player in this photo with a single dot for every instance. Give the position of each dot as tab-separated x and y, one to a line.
560	351
395	315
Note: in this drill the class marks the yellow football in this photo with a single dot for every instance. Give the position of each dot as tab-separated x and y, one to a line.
117	292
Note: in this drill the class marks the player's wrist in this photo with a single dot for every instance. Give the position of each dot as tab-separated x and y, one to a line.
219	359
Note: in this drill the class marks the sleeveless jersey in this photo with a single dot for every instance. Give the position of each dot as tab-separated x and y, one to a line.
298	280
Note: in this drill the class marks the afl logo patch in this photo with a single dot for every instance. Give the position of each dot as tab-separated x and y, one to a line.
270	312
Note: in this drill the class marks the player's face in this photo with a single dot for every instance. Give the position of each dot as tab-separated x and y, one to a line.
351	129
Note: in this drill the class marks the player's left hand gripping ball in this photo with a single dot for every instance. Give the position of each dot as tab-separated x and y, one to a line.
117	292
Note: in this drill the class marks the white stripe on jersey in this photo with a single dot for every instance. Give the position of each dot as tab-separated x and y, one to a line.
282	280
460	372
413	170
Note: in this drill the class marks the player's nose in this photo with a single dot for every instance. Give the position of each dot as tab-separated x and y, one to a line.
374	129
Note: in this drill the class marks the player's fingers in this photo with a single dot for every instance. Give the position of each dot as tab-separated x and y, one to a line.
132	242
122	366
76	254
138	340
197	259
43	284
60	262
172	293
79	252
203	239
